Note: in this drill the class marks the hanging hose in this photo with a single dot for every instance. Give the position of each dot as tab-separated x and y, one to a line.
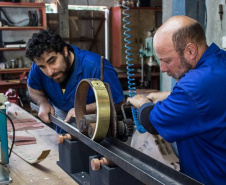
130	74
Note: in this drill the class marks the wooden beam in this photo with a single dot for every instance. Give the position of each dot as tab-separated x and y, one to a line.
63	12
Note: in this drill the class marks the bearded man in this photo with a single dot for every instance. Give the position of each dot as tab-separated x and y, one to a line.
194	114
56	72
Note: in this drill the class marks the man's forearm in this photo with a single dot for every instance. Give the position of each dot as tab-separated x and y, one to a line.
38	96
45	108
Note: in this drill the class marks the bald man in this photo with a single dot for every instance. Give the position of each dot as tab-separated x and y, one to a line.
194	113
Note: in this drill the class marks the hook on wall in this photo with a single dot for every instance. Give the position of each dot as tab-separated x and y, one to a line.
221	13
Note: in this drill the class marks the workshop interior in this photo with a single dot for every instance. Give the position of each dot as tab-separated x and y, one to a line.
105	148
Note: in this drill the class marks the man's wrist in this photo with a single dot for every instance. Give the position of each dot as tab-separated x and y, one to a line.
143	101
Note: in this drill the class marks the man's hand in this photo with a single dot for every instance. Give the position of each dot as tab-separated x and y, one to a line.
45	108
157	96
70	114
138	100
44	111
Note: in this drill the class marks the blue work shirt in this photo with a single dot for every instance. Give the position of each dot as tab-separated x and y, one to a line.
86	65
194	115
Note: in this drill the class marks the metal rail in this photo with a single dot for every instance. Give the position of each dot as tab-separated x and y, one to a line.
137	164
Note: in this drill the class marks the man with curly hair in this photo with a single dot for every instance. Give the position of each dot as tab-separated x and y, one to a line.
56	72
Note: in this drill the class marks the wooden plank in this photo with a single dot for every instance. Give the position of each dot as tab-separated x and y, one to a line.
47	171
62	7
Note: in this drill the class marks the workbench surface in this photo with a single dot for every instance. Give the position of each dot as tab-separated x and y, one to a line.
45	172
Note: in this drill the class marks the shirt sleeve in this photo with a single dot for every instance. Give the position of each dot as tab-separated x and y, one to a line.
177	117
35	77
143	117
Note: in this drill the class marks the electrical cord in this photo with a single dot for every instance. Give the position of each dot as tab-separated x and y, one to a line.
13	141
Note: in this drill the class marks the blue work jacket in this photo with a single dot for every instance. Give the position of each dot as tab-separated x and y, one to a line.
194	115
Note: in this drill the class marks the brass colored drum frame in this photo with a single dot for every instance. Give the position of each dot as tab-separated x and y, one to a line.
102	106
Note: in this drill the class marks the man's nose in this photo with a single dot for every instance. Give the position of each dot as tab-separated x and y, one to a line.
163	67
49	71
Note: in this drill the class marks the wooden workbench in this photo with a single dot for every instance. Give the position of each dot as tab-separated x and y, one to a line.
45	172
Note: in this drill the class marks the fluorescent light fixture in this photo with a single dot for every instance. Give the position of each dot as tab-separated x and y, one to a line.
84	7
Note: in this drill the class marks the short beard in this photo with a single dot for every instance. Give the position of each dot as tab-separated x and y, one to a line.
65	72
183	65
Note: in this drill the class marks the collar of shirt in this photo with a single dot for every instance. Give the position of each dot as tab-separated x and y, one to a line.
77	65
213	48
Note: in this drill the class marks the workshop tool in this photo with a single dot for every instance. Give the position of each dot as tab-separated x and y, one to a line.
147	52
102	106
4	176
12	95
104	122
142	167
125	127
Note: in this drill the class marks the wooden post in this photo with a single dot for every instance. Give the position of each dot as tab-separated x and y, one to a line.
63	12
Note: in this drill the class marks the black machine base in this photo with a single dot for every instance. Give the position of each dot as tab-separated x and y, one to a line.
74	159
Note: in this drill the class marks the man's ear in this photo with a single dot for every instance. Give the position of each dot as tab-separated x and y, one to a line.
191	51
65	51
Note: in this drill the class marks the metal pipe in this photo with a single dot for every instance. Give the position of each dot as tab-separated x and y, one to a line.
142	72
106	34
102	69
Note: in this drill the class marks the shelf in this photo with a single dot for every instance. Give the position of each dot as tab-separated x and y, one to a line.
23	28
14	70
22	5
139	23
136	75
6	84
12	49
15	9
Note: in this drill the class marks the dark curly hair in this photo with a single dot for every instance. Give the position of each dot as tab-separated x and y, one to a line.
44	41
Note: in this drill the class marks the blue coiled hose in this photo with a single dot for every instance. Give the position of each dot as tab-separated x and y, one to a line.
130	74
